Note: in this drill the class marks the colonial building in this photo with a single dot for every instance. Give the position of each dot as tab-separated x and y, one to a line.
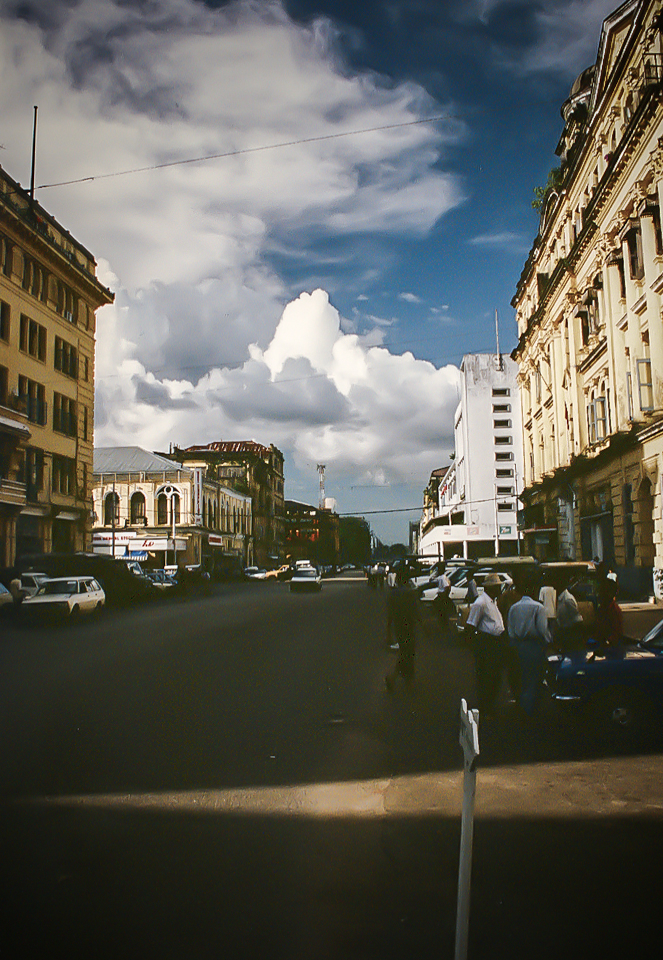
588	308
48	297
153	509
311	533
256	471
470	508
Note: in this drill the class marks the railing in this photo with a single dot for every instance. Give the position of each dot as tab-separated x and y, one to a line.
12	492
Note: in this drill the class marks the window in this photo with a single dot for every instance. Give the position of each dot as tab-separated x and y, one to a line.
505	491
504	456
162	509
65	358
33	338
501	424
85	423
35	279
636	262
4	320
503	473
505	507
138	515
4	386
32	472
501	392
63	478
6	256
86	369
503	440
645	386
111	510
33	395
64	415
66	303
501	408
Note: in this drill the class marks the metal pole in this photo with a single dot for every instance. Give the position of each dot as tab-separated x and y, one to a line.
469	740
34	158
113	518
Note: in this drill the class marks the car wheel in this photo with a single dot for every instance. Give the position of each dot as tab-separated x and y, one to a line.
75	613
622	713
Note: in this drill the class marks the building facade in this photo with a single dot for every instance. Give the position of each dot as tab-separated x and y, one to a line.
588	309
470	508
311	533
153	509
256	471
48	297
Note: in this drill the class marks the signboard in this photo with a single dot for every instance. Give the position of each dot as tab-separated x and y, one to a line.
469	734
505	531
121	536
215	540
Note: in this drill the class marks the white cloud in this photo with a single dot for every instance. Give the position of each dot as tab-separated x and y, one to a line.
409	297
198	344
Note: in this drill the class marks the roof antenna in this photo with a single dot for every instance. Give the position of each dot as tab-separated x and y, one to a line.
34	157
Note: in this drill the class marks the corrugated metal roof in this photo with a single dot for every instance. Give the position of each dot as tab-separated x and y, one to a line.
133	460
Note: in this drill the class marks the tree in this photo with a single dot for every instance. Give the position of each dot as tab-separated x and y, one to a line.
553	182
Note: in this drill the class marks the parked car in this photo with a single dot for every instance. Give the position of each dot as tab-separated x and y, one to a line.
255	573
30	583
306	578
67	596
119	584
6	598
458	592
618	689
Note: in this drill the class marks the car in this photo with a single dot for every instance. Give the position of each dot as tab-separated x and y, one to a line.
30	583
255	573
306	578
5	596
283	572
458	592
619	690
67	596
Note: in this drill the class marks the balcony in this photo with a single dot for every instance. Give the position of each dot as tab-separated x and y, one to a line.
12	493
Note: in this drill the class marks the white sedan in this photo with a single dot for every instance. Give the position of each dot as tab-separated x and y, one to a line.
67	596
306	578
458	592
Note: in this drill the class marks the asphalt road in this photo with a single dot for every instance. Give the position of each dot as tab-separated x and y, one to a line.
228	778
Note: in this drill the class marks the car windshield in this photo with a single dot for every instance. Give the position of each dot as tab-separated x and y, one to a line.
654	639
59	587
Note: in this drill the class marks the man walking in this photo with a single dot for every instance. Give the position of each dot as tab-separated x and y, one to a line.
486	627
404	616
529	637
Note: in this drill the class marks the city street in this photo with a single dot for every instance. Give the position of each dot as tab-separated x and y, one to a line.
228	777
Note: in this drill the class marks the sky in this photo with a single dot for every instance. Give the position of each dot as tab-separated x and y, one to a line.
364	211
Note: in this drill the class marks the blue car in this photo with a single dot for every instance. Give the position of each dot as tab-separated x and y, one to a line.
620	690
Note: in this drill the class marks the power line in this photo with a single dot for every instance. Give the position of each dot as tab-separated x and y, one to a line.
241	152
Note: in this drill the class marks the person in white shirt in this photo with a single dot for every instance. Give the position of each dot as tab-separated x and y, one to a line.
570	630
486	627
548	597
529	636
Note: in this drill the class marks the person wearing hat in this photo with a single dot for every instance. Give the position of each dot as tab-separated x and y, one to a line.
486	626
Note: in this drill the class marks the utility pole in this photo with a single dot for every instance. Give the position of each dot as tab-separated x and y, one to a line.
321	471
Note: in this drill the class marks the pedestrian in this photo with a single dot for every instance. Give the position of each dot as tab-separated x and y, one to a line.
609	626
548	597
486	628
405	614
570	634
472	592
529	637
444	605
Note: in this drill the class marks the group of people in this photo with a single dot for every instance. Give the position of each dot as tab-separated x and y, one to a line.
510	631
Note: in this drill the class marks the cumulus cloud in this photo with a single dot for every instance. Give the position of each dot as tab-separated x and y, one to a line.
409	297
198	344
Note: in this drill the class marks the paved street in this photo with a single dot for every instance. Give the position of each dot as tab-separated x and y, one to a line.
227	777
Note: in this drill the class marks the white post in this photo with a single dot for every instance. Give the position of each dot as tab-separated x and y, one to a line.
469	741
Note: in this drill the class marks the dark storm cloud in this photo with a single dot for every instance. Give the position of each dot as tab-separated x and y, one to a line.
158	395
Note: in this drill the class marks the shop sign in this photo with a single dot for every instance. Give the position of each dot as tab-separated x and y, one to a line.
505	531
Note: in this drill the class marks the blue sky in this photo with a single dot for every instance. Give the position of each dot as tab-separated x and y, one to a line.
318	296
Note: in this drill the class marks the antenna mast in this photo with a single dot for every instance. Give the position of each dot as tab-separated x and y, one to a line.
34	157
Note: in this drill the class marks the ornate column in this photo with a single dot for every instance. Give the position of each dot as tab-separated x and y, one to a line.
613	314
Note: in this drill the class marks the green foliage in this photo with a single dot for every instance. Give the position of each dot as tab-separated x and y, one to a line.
553	182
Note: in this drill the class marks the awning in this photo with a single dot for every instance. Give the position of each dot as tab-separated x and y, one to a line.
137	555
67	515
13	426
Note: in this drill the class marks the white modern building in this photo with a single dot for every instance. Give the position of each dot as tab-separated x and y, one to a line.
470	507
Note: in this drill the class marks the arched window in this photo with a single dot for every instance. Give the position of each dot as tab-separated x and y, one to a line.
175	501
162	509
138	508
111	515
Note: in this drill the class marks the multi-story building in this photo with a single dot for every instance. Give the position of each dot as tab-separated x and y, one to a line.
153	509
311	533
470	508
257	471
48	297
588	308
